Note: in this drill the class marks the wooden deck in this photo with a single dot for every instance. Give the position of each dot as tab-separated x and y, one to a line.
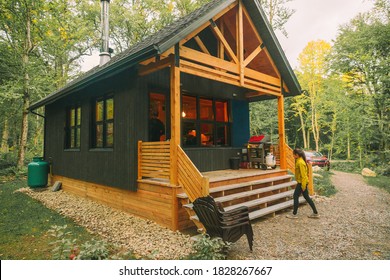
264	192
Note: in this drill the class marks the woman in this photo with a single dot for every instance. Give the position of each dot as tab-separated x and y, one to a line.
301	176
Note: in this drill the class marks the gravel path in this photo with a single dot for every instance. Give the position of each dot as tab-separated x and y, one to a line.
354	224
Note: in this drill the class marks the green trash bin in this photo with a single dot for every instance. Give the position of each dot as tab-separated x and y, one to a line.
37	173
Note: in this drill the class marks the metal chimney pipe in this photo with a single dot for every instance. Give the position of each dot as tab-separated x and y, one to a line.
105	54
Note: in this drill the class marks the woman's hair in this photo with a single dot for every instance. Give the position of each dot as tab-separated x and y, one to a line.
300	153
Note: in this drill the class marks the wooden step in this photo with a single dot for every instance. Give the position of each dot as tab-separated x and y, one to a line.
235	196
274	208
259	201
264	211
242	185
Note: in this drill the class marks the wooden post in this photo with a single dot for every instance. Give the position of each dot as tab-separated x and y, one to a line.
175	116
139	160
311	182
282	141
240	43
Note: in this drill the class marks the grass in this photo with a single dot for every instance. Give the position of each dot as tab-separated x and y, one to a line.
25	225
323	186
382	182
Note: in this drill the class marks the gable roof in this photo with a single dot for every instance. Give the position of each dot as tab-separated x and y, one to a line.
172	34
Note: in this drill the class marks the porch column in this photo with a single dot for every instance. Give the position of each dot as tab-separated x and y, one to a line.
175	116
282	141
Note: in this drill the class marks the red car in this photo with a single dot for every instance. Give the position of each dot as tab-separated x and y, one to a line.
316	158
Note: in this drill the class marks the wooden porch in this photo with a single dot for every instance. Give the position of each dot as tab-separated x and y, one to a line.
265	192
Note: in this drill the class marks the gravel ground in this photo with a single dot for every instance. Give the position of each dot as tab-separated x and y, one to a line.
354	225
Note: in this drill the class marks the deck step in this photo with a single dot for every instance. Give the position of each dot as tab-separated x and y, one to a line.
265	211
259	201
242	185
254	192
272	209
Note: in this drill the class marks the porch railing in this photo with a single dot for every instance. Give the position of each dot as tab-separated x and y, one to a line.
193	182
154	161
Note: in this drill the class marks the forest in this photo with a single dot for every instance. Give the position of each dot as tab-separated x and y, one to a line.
342	112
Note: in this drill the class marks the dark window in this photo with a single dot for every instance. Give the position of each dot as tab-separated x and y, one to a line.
205	122
103	123
73	128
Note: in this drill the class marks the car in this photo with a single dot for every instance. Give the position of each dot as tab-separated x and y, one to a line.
318	159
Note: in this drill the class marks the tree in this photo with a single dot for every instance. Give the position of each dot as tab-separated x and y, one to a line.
361	51
312	73
19	20
278	13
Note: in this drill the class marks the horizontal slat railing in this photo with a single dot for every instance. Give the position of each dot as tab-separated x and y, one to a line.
154	160
193	182
290	159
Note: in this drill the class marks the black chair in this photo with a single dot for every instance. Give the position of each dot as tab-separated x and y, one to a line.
229	225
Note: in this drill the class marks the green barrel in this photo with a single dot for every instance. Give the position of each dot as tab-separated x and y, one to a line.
38	170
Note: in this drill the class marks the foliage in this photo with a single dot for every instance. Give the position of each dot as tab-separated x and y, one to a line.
65	247
207	248
323	186
379	181
278	13
351	166
63	244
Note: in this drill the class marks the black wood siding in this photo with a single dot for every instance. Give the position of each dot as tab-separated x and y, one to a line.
117	167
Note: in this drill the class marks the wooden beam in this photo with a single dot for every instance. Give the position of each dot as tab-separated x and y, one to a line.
201	45
175	118
261	41
253	55
240	39
155	66
207	59
264	78
221	37
281	128
207	24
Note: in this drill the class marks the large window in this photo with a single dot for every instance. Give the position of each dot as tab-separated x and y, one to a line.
73	128
103	123
205	122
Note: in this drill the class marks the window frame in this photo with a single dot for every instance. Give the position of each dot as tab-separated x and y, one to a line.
73	143
198	122
104	122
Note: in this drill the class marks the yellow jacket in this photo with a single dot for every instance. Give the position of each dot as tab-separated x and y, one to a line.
301	174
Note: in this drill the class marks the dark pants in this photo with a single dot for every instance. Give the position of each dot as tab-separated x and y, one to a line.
298	191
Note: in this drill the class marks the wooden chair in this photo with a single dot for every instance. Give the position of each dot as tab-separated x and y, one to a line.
229	225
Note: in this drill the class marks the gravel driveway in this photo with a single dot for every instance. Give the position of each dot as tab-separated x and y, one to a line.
354	224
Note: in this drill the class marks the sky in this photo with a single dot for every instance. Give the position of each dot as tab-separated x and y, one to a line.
317	20
313	20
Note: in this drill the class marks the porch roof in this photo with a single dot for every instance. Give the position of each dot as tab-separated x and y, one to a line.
172	34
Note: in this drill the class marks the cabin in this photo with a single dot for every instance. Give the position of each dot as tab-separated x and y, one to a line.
153	128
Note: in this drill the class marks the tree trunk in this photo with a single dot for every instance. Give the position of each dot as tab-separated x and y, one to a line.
303	129
24	128
5	137
28	47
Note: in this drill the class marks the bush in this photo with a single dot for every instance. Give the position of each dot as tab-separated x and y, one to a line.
346	166
66	248
207	248
323	186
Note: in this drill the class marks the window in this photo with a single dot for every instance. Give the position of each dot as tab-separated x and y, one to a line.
73	128
205	122
103	123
